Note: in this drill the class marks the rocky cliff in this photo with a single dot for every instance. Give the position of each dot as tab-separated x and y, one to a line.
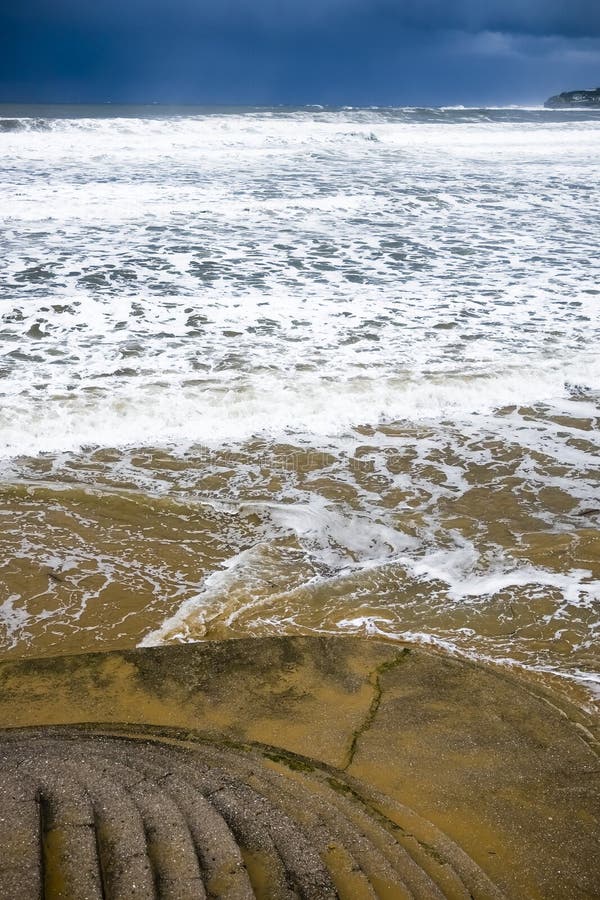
575	100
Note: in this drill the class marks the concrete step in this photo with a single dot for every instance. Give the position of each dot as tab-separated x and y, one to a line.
88	815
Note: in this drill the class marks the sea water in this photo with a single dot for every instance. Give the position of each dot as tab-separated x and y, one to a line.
301	371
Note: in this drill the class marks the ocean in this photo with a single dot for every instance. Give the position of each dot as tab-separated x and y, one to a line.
313	370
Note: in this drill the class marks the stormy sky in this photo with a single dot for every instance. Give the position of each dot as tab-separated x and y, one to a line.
400	52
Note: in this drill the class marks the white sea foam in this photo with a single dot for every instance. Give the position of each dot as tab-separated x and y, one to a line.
14	619
446	267
231	409
308	277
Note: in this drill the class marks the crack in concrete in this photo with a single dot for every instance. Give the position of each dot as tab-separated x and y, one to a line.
375	681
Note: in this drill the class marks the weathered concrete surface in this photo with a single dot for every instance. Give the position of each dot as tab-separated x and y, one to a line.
507	773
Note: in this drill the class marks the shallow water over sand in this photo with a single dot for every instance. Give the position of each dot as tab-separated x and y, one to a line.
302	371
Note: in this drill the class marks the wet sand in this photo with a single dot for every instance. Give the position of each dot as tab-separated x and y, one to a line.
110	548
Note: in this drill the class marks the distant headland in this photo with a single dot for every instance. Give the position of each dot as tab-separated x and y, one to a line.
575	100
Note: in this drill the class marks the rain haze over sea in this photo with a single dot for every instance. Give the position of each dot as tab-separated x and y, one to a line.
301	371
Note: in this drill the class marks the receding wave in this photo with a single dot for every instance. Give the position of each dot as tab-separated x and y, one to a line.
235	409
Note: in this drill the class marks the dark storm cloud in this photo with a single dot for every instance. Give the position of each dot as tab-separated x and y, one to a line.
298	51
536	17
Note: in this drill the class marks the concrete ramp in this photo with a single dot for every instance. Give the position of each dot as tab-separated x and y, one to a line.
290	768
